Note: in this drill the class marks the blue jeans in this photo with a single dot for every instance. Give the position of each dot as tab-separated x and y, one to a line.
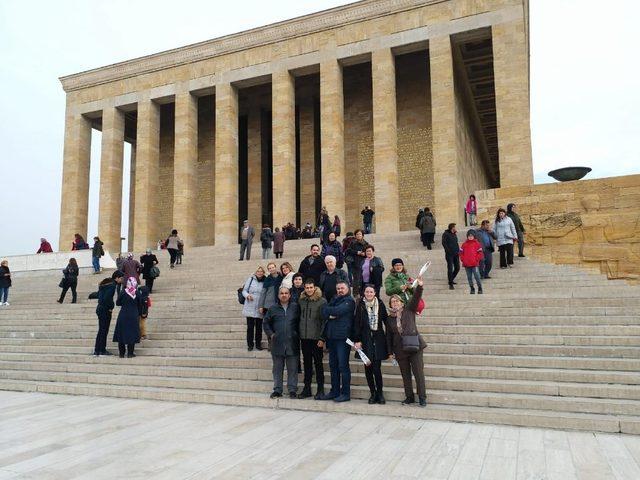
96	264
486	263
339	365
4	294
473	271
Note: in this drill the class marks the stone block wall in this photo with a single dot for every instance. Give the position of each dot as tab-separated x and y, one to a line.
206	171
589	223
165	196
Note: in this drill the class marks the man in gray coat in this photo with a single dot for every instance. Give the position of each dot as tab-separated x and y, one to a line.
281	324
246	239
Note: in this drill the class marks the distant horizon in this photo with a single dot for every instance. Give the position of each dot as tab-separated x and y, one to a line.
584	101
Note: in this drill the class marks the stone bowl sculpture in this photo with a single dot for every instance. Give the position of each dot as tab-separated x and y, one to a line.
567	174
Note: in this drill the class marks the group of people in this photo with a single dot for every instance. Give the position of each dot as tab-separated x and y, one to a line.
320	306
476	252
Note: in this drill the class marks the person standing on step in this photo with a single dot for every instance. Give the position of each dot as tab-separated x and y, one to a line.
471	209
312	265
127	331
45	247
372	269
246	239
367	219
5	282
173	244
278	243
333	247
471	256
506	234
297	288
252	292
70	281
406	343
266	239
281	326
338	326
419	220
104	309
148	261
451	253
397	282
286	270
515	218
357	251
330	278
369	335
131	268
97	251
486	237
143	293
270	286
427	228
311	302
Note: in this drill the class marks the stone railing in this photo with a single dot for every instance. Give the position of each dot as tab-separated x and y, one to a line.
56	260
590	223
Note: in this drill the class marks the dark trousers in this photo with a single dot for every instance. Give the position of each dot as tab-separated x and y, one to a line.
254	330
506	255
245	247
520	244
453	266
339	365
350	272
427	240
173	254
129	350
423	239
279	362
278	254
104	321
74	294
312	357
374	376
486	263
413	363
356	283
367	227
149	283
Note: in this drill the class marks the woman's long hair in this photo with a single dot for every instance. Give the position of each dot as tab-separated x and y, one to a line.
498	219
73	263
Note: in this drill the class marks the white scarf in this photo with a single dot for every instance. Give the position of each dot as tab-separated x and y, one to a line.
372	311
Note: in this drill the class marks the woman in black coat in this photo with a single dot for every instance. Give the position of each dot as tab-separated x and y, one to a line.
70	281
356	251
369	334
148	261
127	332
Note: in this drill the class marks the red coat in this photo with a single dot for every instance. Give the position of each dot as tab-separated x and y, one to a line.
45	247
471	253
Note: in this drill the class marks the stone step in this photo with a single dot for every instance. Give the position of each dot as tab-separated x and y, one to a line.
538	340
539	350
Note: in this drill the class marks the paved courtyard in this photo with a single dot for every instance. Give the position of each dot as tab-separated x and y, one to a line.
62	437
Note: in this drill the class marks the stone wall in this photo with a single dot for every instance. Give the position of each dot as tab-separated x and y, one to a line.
165	197
206	171
589	223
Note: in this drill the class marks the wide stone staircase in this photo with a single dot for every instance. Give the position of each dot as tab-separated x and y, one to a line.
546	345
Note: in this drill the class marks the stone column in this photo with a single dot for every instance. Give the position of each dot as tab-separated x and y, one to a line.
226	182
147	180
254	166
74	208
448	203
385	141
185	168
111	160
511	74
332	139
283	99
132	198
307	163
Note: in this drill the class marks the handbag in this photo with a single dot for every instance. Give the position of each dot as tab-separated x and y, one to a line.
63	282
154	272
410	343
241	298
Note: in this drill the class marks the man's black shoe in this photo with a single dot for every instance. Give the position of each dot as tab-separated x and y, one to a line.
293	395
275	395
373	399
423	402
408	401
305	393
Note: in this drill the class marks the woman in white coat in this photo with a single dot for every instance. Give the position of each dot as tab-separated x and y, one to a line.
506	234
287	275
251	293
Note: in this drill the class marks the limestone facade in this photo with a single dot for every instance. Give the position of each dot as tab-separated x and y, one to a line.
392	104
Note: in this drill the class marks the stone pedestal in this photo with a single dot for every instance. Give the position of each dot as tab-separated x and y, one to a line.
284	148
385	141
185	168
111	162
226	189
147	178
74	209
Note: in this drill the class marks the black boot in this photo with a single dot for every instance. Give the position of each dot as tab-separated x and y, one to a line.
381	399
373	398
306	392
320	393
408	401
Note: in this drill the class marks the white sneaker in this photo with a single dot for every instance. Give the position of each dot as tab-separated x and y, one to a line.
6	303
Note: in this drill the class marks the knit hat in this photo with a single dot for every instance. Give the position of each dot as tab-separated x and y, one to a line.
396	260
471	232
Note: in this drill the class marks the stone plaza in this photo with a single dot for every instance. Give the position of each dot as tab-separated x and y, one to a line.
393	104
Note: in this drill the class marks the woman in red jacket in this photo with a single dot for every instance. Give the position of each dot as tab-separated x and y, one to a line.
470	256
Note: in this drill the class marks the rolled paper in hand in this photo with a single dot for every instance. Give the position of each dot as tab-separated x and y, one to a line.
361	354
424	268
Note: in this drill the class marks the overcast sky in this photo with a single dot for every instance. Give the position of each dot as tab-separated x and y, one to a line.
585	95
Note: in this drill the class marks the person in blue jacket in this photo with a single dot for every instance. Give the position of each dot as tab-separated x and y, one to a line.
338	317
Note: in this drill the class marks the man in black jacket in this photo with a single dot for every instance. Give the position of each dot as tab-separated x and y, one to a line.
451	252
281	324
106	290
313	265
